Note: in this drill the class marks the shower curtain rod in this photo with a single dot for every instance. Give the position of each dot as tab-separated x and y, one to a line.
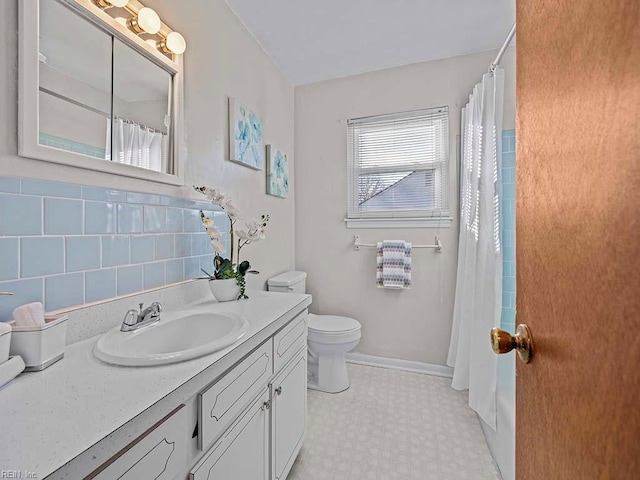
496	62
94	110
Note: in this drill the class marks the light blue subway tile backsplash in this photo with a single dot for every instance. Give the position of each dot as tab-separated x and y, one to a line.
200	244
129	279
24	291
154	219
47	188
192	267
191	221
63	291
9	184
142	248
164	247
115	250
104	194
40	256
65	244
8	258
82	253
153	275
99	285
130	219
206	263
174	270
183	245
99	217
62	216
174	220
143	198
21	215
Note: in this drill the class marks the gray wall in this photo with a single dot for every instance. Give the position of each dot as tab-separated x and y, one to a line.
411	325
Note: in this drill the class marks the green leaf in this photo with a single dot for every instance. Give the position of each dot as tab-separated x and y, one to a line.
243	267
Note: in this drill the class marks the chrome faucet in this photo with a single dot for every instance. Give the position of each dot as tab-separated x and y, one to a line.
134	319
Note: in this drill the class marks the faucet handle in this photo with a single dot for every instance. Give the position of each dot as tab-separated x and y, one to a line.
6	293
156	307
130	318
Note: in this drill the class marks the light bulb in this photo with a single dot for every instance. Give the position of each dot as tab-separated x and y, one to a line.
174	43
146	21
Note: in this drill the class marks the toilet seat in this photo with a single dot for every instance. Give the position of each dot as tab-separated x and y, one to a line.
332	324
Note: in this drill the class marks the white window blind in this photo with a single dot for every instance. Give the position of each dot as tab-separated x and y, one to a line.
399	165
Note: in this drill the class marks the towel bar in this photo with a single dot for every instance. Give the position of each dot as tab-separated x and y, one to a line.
357	244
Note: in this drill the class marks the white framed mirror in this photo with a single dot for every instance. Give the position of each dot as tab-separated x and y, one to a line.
96	95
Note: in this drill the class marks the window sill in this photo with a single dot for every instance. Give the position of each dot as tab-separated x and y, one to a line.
435	222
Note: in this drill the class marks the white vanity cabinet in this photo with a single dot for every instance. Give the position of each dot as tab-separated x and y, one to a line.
261	441
159	453
241	418
288	414
243	450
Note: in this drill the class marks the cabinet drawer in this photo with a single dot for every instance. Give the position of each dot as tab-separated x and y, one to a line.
289	340
159	453
221	403
242	453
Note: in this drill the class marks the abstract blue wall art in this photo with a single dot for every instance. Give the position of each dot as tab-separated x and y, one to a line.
245	131
277	173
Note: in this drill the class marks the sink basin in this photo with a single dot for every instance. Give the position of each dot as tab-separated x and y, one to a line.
179	336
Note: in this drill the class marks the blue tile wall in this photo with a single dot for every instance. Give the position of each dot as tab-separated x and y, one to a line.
508	216
65	244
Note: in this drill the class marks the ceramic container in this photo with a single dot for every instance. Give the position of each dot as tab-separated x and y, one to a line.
224	290
5	341
40	346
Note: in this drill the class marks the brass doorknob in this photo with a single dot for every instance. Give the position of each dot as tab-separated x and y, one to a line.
503	342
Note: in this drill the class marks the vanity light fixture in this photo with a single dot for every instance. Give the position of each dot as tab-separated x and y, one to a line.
174	43
145	21
111	3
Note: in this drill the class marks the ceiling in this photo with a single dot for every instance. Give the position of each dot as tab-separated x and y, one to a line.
314	40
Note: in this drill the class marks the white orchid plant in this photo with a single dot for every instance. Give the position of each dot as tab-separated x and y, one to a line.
225	268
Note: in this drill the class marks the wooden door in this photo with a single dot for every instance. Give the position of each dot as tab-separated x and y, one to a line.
578	238
289	394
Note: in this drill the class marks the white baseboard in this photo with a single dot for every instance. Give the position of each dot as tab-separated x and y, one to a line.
397	364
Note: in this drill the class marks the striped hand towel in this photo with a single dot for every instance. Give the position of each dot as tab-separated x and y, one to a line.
393	268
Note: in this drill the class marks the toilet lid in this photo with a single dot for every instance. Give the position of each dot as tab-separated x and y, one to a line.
332	324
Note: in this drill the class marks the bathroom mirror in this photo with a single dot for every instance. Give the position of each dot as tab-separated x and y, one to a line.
95	95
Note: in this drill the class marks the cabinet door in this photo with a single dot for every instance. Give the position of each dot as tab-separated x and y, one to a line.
289	394
223	402
157	454
242	453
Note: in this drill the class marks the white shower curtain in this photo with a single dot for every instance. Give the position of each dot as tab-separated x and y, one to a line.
478	299
136	145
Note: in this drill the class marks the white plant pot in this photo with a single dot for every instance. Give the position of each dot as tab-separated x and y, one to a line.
224	290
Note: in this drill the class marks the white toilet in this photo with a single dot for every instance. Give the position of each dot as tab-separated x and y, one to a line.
330	338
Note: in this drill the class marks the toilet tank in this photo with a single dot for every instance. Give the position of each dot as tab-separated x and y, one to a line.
288	282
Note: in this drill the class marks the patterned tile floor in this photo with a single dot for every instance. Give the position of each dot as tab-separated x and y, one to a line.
393	425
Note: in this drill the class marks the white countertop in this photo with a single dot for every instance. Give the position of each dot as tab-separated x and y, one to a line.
48	418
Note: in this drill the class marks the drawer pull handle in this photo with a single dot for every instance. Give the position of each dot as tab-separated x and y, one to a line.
279	391
266	405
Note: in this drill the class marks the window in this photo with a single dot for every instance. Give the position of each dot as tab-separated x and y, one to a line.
399	169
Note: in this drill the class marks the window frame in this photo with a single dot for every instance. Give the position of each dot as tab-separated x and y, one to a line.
398	218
